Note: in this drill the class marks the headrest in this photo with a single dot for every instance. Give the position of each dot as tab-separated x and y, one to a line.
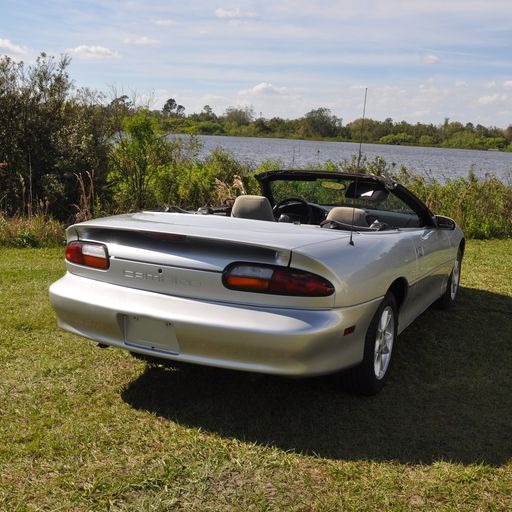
347	215
252	207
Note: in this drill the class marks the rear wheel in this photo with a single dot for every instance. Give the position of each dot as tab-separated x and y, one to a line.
369	377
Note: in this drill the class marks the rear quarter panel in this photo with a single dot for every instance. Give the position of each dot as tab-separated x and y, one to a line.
364	271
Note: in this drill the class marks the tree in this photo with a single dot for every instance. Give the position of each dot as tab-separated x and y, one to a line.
451	128
321	123
358	130
238	116
261	126
208	114
508	133
136	160
169	107
48	133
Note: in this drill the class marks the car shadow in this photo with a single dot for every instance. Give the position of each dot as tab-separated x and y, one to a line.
448	398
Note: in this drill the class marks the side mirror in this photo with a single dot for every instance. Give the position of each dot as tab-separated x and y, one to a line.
444	222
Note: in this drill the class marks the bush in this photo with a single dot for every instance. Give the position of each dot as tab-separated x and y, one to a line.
193	182
36	231
480	206
205	128
397	139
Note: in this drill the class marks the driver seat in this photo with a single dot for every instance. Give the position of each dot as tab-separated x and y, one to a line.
252	207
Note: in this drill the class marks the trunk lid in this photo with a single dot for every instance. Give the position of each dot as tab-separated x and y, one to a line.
185	255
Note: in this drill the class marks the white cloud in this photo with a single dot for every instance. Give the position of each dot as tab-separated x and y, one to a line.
237	23
140	40
9	47
431	59
461	83
233	13
419	115
490	85
266	88
93	52
428	87
271	101
508	83
492	99
166	22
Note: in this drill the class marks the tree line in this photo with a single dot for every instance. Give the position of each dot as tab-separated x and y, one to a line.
72	153
320	123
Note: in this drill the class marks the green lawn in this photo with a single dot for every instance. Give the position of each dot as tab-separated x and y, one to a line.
83	428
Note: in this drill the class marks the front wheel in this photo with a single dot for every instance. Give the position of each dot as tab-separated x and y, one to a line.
369	377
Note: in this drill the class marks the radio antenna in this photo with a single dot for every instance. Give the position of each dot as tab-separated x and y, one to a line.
351	241
362	129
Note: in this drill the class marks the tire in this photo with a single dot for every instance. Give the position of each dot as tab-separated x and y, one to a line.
448	298
369	377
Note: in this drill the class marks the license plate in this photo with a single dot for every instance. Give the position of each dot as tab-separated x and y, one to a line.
150	333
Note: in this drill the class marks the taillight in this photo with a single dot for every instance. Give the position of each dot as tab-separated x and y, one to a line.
250	277
90	254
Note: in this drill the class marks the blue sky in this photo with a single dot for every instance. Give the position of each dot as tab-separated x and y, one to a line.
422	60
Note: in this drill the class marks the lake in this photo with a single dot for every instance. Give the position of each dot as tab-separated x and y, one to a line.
439	162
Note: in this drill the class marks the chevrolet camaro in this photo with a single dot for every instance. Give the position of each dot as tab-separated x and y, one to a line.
318	274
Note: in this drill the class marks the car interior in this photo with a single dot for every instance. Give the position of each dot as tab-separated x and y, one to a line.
363	206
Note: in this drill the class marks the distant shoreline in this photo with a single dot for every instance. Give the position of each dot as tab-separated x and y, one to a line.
334	139
443	163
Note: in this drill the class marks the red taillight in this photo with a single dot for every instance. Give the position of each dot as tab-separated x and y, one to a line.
90	254
250	277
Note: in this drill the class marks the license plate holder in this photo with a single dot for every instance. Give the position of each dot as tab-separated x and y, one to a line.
150	333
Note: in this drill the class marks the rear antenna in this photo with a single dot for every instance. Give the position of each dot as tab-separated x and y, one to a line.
351	241
362	129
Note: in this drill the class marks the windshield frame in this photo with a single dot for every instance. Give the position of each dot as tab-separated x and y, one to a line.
426	217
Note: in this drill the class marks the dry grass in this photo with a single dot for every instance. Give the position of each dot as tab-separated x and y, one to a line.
35	231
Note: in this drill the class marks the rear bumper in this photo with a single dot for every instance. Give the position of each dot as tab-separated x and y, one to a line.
293	342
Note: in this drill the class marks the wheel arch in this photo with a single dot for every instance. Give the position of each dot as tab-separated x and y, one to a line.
462	247
399	288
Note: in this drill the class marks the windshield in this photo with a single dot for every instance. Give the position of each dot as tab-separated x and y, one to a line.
338	191
321	192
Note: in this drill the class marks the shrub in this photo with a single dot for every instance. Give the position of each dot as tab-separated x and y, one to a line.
480	206
35	231
192	182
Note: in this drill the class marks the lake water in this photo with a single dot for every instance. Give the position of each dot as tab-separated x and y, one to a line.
440	162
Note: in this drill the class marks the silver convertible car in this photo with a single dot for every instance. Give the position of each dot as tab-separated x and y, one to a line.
319	273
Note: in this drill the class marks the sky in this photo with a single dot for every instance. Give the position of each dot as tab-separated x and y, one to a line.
421	60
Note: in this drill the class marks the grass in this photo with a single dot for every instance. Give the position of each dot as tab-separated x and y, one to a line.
83	428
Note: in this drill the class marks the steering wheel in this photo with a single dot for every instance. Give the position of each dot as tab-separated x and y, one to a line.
306	210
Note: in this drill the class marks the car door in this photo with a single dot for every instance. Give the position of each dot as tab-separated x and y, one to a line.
432	246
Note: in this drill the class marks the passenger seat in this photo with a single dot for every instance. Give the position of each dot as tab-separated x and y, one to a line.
348	215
